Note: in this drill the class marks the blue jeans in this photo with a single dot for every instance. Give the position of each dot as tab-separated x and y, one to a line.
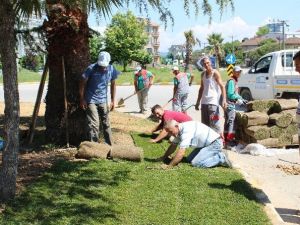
180	103
208	156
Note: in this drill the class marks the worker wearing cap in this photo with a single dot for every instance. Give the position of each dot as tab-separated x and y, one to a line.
182	83
143	79
93	90
233	99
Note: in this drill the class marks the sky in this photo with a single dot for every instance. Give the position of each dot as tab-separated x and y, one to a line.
247	17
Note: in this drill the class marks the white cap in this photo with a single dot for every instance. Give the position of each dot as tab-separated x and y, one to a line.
103	59
237	69
175	68
138	68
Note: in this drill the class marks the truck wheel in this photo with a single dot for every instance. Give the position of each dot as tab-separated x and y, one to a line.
246	94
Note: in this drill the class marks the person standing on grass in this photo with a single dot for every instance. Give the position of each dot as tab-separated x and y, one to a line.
182	83
296	59
207	143
211	94
165	115
233	99
143	79
93	88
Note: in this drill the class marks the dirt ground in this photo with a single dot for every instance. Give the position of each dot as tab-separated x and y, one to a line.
34	161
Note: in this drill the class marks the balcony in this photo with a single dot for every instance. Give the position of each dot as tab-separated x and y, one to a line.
155	34
156	44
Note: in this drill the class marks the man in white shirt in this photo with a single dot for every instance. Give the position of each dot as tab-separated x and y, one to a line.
207	143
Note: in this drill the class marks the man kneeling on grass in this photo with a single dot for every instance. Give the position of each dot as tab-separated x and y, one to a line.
207	143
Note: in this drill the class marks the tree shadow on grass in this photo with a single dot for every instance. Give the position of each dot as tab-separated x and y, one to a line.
241	187
69	192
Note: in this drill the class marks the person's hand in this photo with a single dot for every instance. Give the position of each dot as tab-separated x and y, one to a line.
224	105
152	141
165	166
197	106
245	101
112	106
83	104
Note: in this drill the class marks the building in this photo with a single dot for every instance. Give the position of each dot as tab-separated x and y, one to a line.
152	47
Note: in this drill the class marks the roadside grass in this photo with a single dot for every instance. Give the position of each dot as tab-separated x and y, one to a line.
25	75
163	75
121	192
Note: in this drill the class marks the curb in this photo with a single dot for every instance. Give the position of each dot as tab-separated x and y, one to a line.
262	198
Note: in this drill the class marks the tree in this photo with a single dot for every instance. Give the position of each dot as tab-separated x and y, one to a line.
262	30
265	46
143	57
215	40
9	11
189	43
235	48
95	45
124	38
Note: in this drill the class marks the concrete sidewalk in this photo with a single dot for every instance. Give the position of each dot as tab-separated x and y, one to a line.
279	191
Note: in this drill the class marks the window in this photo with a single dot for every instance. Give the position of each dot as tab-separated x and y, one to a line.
263	65
288	60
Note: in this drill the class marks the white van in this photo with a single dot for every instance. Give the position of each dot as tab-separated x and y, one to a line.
272	76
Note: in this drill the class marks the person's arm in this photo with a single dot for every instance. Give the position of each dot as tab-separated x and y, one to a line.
175	87
218	79
170	150
112	94
135	83
230	92
191	80
151	79
177	158
161	136
200	93
82	85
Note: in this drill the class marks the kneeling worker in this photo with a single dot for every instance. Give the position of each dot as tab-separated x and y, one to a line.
165	115
207	143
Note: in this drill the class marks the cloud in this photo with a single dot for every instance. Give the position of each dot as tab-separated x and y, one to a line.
235	27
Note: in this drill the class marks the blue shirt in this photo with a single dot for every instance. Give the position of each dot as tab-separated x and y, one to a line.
97	83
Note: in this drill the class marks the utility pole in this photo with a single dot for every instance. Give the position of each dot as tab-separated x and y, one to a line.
283	24
232	50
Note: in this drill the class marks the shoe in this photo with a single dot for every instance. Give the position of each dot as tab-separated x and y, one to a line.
226	162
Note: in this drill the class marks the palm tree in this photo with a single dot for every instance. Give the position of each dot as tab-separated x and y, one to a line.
67	36
8	174
70	39
189	43
215	40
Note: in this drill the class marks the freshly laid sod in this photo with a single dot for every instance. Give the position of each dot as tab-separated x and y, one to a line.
127	193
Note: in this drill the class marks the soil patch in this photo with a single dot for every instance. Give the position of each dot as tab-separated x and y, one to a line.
34	162
291	170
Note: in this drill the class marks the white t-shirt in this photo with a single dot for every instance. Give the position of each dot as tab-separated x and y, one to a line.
211	91
195	134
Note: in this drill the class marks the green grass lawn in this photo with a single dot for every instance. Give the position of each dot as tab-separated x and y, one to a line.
127	193
25	75
163	75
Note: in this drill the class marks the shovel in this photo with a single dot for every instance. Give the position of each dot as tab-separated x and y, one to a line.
165	105
189	107
122	100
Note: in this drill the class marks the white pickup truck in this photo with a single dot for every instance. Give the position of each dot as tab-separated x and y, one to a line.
272	76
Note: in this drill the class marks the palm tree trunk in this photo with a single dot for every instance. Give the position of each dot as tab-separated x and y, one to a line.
8	174
67	33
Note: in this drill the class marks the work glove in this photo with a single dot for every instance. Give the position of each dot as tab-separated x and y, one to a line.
245	101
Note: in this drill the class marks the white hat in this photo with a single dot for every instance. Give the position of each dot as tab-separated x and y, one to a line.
138	68
103	59
237	69
175	68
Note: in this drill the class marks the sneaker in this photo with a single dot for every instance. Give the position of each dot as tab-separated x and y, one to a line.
226	162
